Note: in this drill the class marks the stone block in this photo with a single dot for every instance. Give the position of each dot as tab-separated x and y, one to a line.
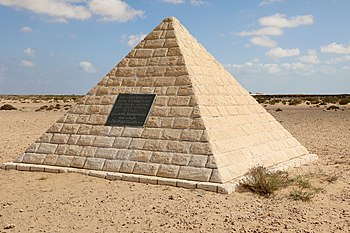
183	81
74	150
122	142
123	154
71	118
167	181
155	145
180	112
64	161
161	157
191	135
182	123
141	155
34	168
208	186
160	52
171	42
55	128
32	148
132	132
97	119
154	122
148	180
127	167
84	129
197	123
179	147
19	158
159	111
172	134
194	173
146	169
181	159
33	158
50	159
116	131
164	81
201	148
185	90
131	177
137	143
100	130
169	171
60	138
94	163
73	139
152	133
70	128
198	161
113	176
186	184
23	167
62	149
86	140
46	148
103	141
176	71
45	138
98	174
144	53
88	151
112	165
106	153
78	162
179	100
82	119
167	122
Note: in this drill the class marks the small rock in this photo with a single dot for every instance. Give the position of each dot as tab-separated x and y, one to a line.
10	226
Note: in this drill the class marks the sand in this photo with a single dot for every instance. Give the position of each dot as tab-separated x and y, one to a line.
44	202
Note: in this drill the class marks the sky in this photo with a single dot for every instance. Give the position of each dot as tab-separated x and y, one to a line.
269	46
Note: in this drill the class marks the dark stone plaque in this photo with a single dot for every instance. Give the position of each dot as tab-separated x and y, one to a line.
130	110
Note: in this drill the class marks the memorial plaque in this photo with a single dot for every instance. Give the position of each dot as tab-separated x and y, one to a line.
130	110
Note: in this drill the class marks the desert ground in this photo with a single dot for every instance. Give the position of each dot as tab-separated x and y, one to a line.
45	202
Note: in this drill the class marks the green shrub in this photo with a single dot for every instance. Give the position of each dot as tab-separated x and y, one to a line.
295	101
344	101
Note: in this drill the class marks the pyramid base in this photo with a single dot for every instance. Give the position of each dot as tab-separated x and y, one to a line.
226	188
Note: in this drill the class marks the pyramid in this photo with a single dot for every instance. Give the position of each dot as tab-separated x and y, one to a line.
168	113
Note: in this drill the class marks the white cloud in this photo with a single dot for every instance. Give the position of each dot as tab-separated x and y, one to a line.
269	2
280	21
280	52
28	63
339	59
26	29
133	40
310	57
63	10
173	1
87	67
30	52
114	10
267	31
336	48
197	2
263	41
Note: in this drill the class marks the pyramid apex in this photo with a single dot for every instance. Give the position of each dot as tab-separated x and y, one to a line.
171	19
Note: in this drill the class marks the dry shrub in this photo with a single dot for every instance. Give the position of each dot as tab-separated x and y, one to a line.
344	101
264	182
333	107
7	107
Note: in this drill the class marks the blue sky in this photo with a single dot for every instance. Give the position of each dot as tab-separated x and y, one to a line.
270	46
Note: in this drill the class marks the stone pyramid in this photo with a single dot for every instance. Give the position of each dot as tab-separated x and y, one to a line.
203	129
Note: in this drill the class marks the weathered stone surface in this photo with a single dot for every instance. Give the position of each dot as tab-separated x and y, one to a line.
141	155
161	157
88	151
132	132
46	148
155	145
112	165
170	171
94	163
137	143
122	142
64	161
78	162
181	159
106	153
50	159
198	161
33	158
127	166
102	141
146	169
193	173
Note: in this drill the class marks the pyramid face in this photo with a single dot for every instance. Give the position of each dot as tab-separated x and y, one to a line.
196	122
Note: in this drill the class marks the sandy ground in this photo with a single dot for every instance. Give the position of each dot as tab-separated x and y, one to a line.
44	202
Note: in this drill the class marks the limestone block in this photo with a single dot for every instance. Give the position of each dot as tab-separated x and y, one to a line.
144	53
123	154
182	123
91	100
109	100
145	81
32	148
176	71
170	171
121	142
146	90
159	111
185	90
137	62
193	101
74	150
129	82
164	81
82	119
208	186
62	149
50	159
103	141
88	151
19	159
116	131
155	145
78	162
191	135
172	134
186	184
167	181
131	177
132	132
34	168
160	52
171	61
61	119
98	174
86	140
46	148
70	128
55	128
94	163
194	173
33	158
153	62
46	137
181	159
112	165
161	157
146	169
171	42
106	153
64	161
161	101
84	129
141	155
197	123
179	100
154	35
180	111
201	148
167	122
183	81
158	43
73	139
23	167
71	118
127	166
148	180
154	122
97	119
198	161
113	176
137	143
60	138
178	147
